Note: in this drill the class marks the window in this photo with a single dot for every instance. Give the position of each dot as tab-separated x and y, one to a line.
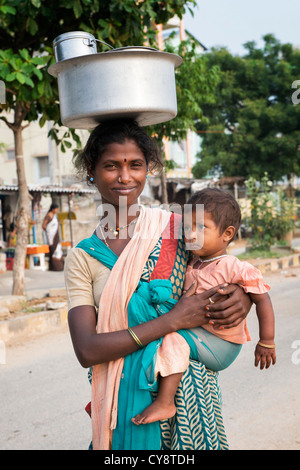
42	170
10	155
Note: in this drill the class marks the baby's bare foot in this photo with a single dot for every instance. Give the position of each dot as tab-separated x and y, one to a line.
155	412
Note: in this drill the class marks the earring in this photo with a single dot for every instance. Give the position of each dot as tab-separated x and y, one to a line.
91	178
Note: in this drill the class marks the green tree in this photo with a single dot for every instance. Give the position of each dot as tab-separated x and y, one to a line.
196	81
27	29
257	121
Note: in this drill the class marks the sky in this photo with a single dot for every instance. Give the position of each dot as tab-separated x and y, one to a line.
232	23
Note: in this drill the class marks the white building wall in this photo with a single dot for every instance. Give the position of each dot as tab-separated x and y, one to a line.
37	149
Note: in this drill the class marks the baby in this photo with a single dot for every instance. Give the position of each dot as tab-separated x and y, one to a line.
207	235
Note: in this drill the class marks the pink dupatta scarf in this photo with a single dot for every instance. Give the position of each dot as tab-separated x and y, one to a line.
112	316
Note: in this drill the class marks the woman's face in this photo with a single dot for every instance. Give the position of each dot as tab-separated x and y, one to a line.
121	173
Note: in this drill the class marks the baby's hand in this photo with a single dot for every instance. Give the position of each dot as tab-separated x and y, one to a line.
265	356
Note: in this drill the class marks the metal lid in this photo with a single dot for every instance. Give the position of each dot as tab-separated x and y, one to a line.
135	48
176	59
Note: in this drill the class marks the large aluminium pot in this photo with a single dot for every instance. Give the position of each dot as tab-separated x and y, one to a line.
136	82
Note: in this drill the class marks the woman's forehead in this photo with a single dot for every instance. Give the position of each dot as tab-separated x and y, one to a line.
120	150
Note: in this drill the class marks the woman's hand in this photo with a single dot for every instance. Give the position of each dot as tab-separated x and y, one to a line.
190	311
231	311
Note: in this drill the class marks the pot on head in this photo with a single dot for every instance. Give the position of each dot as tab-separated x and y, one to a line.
136	82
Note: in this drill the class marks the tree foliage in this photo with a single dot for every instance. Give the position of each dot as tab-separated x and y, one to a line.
254	125
196	81
125	22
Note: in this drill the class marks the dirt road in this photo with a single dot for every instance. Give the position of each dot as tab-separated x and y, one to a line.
44	390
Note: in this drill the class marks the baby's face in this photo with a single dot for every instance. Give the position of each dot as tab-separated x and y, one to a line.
193	231
202	236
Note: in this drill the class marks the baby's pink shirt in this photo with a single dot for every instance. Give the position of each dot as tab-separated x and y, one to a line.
233	271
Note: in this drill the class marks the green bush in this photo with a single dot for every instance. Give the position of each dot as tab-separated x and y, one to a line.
262	212
273	214
286	215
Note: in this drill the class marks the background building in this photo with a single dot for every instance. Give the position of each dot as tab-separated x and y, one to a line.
45	163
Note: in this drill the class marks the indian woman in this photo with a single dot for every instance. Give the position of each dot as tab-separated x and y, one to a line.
124	287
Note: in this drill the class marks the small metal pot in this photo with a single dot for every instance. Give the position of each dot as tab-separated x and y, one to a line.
136	82
74	44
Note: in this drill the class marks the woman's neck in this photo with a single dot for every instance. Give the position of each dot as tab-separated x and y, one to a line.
119	216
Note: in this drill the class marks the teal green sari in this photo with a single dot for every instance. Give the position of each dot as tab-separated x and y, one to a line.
198	422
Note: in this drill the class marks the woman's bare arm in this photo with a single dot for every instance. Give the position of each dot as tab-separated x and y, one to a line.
92	348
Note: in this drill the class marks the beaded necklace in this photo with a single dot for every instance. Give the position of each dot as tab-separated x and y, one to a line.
115	231
202	261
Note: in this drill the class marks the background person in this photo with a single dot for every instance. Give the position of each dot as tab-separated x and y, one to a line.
51	226
12	235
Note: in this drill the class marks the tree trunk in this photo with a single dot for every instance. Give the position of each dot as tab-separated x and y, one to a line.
23	216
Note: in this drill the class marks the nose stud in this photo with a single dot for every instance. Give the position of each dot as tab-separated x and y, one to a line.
119	179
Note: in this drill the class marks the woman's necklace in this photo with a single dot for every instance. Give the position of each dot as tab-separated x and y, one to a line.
117	229
207	260
103	236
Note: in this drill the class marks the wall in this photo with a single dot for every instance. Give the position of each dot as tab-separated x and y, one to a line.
37	146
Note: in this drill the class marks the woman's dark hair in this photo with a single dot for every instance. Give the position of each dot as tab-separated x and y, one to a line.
53	206
117	131
221	205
